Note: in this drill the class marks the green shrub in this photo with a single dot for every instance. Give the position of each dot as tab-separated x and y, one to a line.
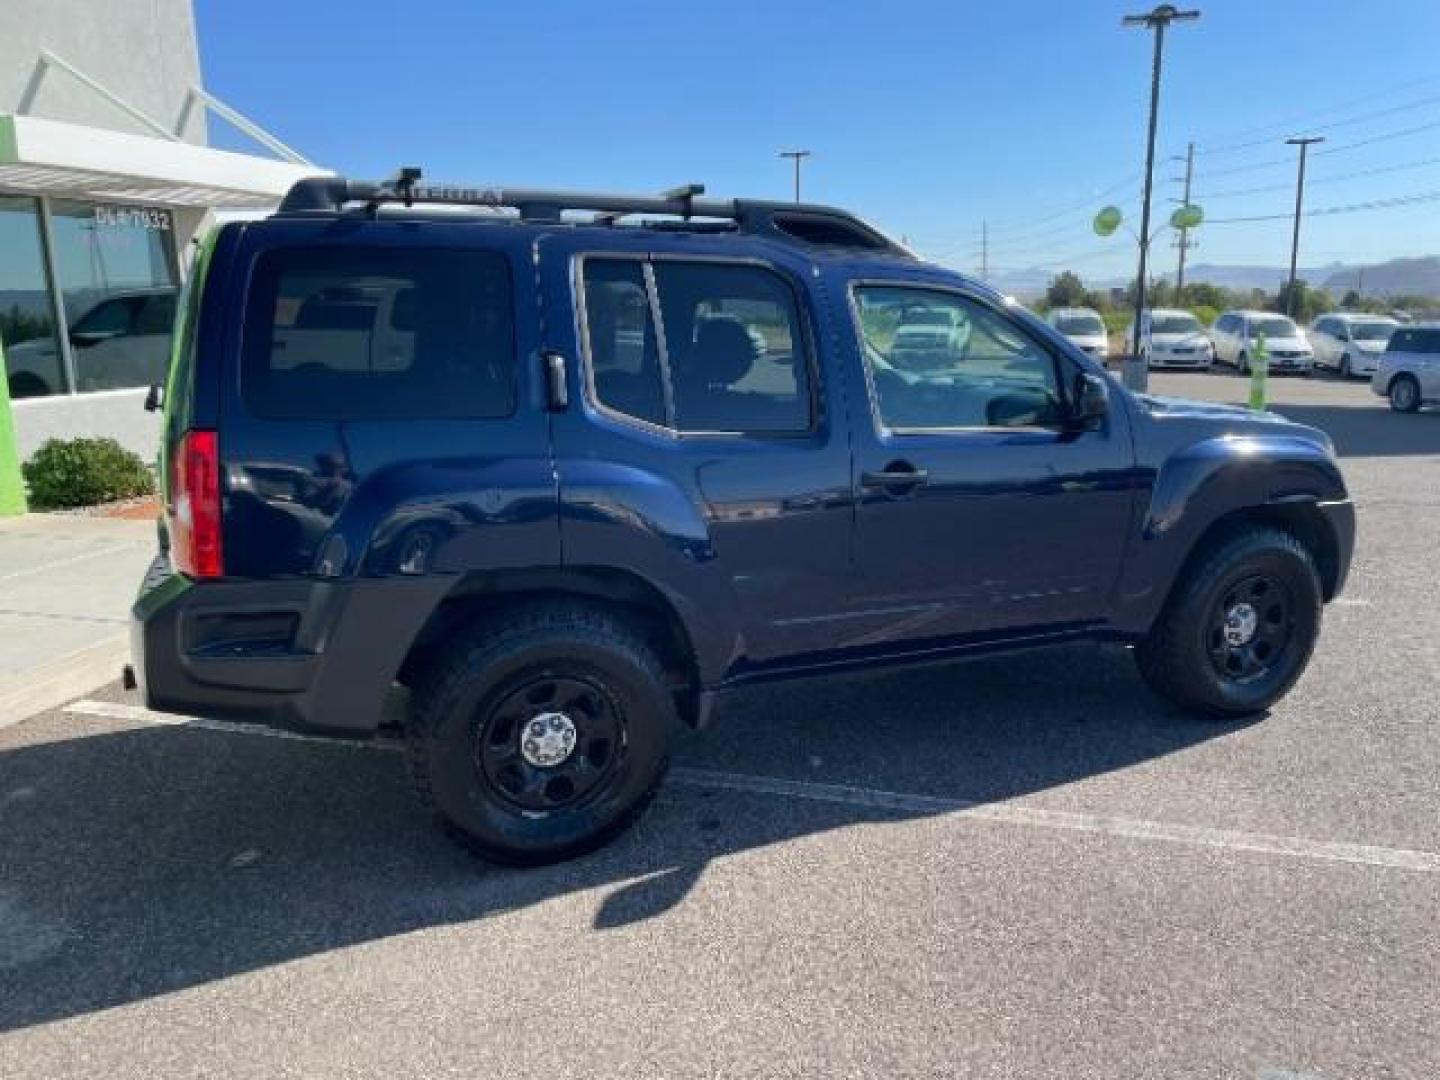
84	472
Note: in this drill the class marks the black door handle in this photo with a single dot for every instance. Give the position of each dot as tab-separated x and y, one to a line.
895	476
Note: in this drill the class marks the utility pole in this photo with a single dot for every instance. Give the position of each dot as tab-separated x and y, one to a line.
1136	375
1184	230
1304	144
797	156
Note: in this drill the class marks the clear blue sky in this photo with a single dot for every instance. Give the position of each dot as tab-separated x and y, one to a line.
925	117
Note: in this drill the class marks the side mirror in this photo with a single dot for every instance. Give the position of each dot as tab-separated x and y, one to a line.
1092	399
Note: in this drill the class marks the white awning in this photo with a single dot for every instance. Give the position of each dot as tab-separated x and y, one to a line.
48	157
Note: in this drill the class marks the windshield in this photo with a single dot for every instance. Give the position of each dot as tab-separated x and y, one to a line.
1372	331
1273	328
1175	324
1079	324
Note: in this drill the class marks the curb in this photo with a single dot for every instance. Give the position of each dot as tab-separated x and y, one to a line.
64	679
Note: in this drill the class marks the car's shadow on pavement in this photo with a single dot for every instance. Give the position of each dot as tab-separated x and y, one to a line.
144	861
1369	430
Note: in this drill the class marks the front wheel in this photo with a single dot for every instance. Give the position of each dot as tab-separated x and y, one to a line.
541	736
1345	371
1239	627
1242	364
1405	394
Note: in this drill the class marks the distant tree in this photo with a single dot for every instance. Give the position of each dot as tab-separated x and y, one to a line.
1309	303
1066	290
1204	294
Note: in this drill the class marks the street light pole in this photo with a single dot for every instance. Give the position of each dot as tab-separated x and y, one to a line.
798	156
1136	374
1304	144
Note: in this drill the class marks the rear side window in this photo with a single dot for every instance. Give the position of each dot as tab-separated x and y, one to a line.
379	334
730	355
1415	341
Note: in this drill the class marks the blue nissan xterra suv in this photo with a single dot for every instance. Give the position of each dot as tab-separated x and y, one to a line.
568	466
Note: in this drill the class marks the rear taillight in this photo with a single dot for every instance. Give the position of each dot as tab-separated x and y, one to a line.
195	505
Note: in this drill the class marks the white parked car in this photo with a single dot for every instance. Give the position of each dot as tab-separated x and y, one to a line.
121	341
1236	334
930	337
1084	328
1171	338
1409	372
1352	344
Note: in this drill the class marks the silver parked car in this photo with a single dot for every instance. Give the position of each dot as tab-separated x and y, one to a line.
1083	328
1170	337
1236	333
1351	343
1409	372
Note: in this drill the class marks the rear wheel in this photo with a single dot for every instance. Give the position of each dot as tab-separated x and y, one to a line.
1242	363
541	736
1345	371
1239	628
1404	394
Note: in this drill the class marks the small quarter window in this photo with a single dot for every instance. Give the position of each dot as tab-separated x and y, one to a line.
624	355
359	334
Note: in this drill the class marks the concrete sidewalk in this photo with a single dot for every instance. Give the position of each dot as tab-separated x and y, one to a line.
66	583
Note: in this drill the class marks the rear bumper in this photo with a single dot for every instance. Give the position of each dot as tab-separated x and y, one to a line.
276	652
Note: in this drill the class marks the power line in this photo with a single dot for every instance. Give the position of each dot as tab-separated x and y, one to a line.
1401	167
1350	208
1341	149
1089	200
1308	117
1359	119
1379	138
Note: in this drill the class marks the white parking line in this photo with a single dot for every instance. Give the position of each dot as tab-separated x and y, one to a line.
874	799
46	567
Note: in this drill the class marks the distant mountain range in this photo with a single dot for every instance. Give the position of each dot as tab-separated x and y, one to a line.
1420	276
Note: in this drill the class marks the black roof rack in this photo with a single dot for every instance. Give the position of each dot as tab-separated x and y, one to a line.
805	222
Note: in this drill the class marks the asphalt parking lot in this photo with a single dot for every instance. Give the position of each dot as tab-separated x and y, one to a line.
1019	867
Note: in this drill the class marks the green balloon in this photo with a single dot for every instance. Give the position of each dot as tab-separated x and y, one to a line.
1107	221
1187	217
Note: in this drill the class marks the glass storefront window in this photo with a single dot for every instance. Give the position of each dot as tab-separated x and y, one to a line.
116	268
33	362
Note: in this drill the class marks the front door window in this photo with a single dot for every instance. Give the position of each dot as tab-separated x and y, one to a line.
941	361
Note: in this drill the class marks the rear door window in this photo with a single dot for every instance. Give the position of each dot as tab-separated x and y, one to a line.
378	333
737	359
729	356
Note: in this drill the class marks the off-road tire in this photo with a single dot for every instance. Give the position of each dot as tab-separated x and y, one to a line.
467	684
1175	658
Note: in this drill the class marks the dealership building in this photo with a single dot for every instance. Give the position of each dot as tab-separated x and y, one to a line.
106	181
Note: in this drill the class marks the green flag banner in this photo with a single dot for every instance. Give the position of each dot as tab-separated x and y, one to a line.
12	483
1106	221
